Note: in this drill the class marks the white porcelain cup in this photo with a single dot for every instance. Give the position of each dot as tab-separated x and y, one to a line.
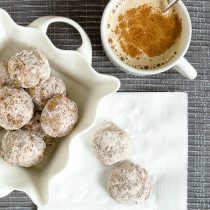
178	62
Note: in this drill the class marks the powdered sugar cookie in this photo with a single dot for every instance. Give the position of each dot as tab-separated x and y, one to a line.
47	90
59	116
129	183
28	68
22	148
35	126
1	86
16	108
111	144
4	74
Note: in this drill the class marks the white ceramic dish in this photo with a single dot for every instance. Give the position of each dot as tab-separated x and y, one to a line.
84	85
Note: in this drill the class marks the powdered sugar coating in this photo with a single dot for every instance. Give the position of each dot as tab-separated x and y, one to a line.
35	126
129	184
111	144
16	108
59	116
46	90
4	74
22	148
1	86
28	68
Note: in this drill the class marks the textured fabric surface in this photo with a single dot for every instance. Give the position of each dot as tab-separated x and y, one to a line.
88	14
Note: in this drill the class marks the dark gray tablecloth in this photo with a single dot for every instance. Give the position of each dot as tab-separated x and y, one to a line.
88	14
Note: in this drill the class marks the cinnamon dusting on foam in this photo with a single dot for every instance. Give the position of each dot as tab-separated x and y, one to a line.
141	34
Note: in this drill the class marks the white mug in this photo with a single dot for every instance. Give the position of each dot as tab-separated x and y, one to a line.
178	62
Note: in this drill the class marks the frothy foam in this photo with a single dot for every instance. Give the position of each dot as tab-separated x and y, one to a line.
143	61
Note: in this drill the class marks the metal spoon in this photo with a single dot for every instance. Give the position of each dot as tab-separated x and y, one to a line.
170	5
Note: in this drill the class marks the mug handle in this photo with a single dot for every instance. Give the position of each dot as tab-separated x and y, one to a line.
186	69
43	23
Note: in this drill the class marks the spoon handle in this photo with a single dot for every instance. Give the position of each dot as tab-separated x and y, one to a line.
170	5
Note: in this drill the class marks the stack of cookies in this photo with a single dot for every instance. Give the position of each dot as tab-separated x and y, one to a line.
128	182
34	108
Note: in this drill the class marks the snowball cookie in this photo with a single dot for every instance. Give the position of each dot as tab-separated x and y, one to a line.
129	183
4	74
111	144
22	148
16	108
28	68
1	86
47	90
59	116
35	126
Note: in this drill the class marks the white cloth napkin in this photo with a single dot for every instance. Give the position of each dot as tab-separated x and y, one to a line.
157	124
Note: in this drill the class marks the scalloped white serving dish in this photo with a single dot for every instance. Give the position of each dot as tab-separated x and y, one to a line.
84	85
